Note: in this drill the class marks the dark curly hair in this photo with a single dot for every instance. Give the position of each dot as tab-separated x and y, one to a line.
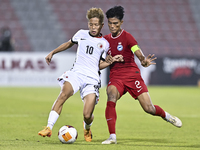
116	11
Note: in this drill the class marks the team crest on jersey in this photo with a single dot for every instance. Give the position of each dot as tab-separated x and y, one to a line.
100	46
119	47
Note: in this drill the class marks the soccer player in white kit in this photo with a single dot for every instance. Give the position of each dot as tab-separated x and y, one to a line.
84	75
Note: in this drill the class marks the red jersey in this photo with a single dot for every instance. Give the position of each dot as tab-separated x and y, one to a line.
122	45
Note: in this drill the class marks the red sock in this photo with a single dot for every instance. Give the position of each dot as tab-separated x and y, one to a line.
159	111
111	116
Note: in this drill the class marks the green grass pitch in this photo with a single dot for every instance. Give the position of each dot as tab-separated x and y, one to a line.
24	112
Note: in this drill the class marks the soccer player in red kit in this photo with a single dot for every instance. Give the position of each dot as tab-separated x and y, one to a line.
125	76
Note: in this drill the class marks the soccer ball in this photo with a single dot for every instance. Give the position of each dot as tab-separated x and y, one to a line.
67	134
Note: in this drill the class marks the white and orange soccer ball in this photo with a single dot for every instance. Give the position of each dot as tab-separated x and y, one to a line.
67	134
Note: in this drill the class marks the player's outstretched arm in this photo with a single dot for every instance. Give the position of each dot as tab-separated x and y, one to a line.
60	48
145	62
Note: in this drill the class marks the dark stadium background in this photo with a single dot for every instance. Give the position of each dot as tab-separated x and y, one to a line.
170	29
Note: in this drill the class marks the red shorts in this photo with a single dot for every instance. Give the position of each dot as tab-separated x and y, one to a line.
134	86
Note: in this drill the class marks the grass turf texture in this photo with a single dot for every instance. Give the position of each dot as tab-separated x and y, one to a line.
24	112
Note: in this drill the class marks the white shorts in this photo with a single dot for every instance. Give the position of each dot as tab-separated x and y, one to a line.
85	84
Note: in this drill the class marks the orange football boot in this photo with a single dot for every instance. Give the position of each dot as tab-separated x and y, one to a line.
45	132
87	134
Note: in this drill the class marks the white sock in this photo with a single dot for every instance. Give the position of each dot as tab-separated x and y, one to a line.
53	116
87	126
167	116
113	136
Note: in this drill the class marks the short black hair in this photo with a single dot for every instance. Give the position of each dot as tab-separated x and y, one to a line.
116	11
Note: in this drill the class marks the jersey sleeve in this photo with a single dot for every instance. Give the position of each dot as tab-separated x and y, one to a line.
133	45
76	37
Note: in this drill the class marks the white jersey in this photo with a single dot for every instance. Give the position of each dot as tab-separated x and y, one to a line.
89	51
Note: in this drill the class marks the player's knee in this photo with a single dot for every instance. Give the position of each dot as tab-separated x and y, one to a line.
112	97
149	109
87	116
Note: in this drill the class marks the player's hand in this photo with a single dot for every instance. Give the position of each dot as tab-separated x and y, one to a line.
48	58
118	58
109	59
149	60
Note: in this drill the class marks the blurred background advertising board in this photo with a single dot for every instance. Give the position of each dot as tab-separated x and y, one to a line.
30	69
176	71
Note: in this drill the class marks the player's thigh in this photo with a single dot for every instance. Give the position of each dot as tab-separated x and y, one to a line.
66	90
89	104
